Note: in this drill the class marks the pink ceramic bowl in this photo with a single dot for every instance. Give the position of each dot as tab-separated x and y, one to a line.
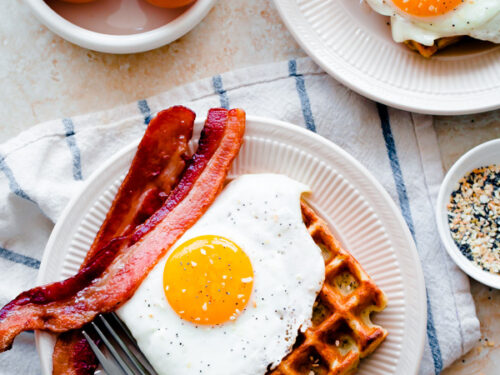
119	26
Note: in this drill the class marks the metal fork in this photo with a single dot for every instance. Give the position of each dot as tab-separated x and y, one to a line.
124	355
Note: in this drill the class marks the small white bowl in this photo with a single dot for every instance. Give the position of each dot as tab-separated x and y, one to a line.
483	155
65	23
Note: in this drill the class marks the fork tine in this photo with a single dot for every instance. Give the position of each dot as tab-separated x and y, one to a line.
123	327
142	359
133	359
112	350
106	364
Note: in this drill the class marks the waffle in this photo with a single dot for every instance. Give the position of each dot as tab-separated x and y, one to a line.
341	332
439	44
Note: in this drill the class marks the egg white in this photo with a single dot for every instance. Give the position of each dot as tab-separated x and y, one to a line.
261	213
479	19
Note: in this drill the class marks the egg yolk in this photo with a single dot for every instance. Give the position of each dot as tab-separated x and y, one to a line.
208	280
427	8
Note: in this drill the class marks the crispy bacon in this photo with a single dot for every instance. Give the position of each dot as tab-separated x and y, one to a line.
72	355
131	265
156	168
206	148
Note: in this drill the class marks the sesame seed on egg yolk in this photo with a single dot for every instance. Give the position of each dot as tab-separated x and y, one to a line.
427	8
208	280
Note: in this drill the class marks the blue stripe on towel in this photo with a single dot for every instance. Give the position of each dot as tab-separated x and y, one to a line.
303	96
18	258
405	209
219	90
404	202
69	127
145	110
433	340
13	185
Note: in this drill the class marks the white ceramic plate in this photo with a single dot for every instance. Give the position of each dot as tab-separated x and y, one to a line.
355	205
119	26
481	156
355	46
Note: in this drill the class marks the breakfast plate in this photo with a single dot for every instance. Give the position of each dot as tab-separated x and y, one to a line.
357	208
354	45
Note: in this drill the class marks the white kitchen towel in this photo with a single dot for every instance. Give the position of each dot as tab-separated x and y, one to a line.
42	168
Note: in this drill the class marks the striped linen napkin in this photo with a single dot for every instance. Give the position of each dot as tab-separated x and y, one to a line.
42	168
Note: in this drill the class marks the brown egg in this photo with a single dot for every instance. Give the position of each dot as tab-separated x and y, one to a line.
78	1
170	3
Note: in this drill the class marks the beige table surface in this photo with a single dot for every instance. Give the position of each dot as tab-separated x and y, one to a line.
44	77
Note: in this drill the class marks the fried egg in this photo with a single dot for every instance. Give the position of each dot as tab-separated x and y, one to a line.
424	21
232	294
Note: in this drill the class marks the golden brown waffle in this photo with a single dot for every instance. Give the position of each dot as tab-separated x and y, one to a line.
341	331
439	44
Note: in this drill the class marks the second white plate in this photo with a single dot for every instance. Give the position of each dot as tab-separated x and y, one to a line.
354	45
355	205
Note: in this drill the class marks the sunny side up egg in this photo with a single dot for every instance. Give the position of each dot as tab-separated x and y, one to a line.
232	293
424	21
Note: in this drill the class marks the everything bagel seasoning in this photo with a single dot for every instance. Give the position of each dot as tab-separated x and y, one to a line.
474	217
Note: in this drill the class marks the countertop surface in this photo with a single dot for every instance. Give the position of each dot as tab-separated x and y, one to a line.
44	77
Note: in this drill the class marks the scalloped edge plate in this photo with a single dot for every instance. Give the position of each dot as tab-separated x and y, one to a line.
354	204
354	45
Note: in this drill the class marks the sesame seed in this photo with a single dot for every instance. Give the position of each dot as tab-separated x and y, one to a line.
474	217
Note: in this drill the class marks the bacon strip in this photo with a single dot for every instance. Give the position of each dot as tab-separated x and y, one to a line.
156	168
214	129
209	140
131	265
73	355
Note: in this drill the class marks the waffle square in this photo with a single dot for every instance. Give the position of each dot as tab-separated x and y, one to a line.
439	44
341	332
